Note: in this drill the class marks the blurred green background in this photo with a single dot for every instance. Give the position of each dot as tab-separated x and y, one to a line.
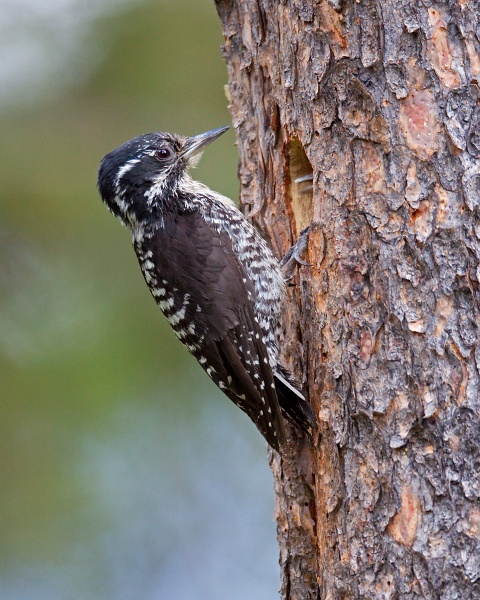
125	474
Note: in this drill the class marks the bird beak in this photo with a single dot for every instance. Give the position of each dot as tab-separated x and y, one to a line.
197	143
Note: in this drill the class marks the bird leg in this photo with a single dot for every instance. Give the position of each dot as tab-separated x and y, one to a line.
294	255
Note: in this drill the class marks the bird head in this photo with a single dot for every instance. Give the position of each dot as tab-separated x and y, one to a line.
138	179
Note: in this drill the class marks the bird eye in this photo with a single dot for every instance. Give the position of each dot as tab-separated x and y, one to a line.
163	154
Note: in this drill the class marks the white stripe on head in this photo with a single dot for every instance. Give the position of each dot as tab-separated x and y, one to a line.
128	166
157	187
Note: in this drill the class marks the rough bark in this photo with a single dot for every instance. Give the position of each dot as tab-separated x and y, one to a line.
379	100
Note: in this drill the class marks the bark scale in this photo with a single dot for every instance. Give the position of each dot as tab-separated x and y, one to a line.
379	101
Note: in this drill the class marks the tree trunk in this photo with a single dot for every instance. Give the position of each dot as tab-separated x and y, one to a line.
379	101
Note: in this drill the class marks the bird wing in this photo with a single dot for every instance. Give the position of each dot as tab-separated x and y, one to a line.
209	301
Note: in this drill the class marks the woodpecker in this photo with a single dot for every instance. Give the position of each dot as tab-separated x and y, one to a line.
210	272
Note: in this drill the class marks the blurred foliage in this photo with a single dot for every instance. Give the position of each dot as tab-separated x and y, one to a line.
101	407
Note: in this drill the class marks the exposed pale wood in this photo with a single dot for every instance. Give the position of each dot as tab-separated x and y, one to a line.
379	100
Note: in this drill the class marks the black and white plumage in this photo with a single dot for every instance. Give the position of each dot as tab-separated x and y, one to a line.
211	273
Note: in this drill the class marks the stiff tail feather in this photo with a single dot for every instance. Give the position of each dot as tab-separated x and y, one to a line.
295	407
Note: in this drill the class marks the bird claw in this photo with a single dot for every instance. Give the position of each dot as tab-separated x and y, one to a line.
308	188
301	262
294	255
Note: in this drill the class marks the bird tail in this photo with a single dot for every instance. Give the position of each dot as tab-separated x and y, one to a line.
292	402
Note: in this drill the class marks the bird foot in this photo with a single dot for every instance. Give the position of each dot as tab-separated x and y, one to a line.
294	255
308	188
